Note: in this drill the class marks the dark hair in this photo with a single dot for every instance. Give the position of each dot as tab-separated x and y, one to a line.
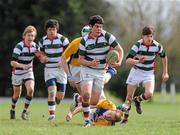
51	23
148	30
96	19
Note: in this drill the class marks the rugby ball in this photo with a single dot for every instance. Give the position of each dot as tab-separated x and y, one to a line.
112	57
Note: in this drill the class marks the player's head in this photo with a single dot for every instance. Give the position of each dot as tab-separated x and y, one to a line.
96	19
51	23
29	33
96	23
147	30
51	26
114	116
147	34
85	30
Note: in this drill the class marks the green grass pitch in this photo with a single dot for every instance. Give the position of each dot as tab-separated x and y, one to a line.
157	119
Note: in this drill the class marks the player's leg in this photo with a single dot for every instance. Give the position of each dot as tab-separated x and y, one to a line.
29	84
61	81
17	89
129	97
149	89
148	83
75	71
77	99
51	84
16	95
111	72
133	80
61	88
86	89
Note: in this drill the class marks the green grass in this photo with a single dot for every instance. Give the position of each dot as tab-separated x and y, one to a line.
157	119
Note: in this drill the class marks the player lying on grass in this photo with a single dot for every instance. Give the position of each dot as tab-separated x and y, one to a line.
105	113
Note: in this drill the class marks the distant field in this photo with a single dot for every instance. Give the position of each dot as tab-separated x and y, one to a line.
159	118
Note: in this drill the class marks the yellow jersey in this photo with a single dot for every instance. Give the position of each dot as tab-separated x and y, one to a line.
72	51
102	107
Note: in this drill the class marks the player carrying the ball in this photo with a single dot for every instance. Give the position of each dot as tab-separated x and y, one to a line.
92	53
142	56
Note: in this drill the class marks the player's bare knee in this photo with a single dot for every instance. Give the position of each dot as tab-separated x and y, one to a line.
60	98
149	95
30	93
16	97
86	98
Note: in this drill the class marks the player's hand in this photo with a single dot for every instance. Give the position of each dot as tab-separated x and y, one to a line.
95	62
69	116
26	67
38	53
165	77
113	64
59	64
44	59
142	59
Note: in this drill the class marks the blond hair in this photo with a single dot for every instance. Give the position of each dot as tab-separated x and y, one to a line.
29	29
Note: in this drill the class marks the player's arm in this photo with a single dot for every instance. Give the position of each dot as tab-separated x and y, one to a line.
14	61
16	64
165	75
162	54
41	56
132	60
132	57
84	62
70	115
70	50
70	78
116	46
119	49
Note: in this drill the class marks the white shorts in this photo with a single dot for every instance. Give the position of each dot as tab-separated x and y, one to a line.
57	73
75	71
93	77
18	79
137	76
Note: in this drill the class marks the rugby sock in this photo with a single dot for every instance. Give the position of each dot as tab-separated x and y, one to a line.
27	103
51	107
141	98
86	112
13	104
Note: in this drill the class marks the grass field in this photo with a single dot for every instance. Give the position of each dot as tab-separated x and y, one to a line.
157	119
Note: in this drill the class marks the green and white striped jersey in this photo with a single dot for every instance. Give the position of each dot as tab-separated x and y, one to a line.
24	55
92	48
150	52
53	49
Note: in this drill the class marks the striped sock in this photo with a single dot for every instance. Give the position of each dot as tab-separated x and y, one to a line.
86	112
13	104
51	107
141	98
27	103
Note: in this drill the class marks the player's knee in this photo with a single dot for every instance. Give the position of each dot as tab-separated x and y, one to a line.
86	98
16	97
148	95
30	92
60	97
51	94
